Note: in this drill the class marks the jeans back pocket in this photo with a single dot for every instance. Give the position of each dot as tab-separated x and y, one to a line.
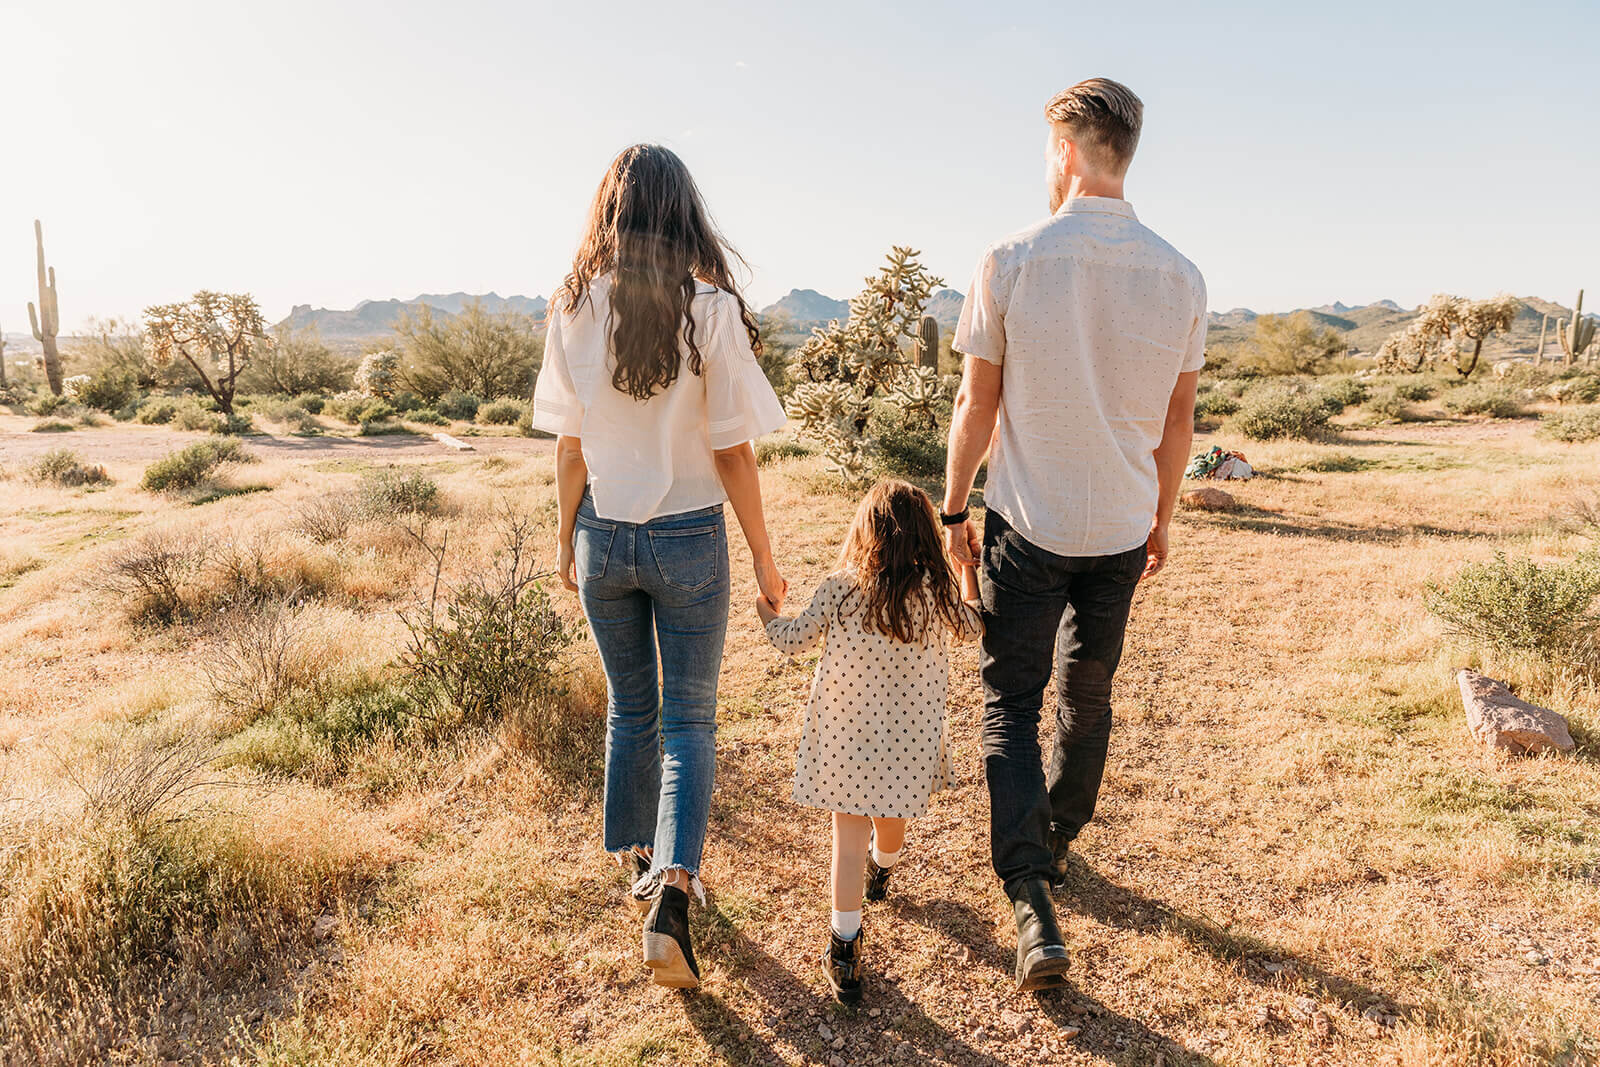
591	547
687	559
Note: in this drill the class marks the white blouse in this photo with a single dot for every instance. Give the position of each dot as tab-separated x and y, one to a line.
649	458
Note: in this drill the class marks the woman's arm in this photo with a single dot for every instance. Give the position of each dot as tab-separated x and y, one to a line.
736	467
572	478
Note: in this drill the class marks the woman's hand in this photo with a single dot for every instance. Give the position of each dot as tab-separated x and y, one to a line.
771	583
765	610
566	564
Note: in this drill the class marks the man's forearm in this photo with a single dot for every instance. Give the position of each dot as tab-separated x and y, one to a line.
971	428
1172	458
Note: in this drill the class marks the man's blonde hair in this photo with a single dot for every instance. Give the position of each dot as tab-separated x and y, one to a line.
1102	118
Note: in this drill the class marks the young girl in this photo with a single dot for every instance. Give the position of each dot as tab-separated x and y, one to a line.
873	748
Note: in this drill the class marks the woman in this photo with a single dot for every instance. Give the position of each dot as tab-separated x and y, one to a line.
651	384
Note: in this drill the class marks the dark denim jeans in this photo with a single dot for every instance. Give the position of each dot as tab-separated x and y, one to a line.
1028	631
662	583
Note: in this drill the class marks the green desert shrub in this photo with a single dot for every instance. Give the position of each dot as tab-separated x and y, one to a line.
1481	398
458	405
312	402
108	390
392	491
1578	389
355	408
319	732
381	427
192	466
778	447
502	412
1571	426
1516	605
1414	390
406	401
64	467
1214	404
294	418
156	410
482	650
1346	392
909	446
52	426
428	417
1388	405
1273	412
191	416
48	404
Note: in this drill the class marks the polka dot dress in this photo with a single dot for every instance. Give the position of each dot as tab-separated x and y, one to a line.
874	741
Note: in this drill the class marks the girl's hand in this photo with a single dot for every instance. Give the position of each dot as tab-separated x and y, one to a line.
765	609
566	564
771	583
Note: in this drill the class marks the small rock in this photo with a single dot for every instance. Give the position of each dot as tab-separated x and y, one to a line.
323	928
874	1012
1497	718
835	1061
838	1043
1207	498
1537	958
1069	1032
824	1031
980	1034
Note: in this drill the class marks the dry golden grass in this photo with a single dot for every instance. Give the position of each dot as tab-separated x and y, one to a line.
1300	858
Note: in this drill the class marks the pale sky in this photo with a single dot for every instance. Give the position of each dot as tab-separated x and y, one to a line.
326	152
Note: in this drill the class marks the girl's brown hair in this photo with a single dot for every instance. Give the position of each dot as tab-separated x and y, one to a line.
904	582
650	227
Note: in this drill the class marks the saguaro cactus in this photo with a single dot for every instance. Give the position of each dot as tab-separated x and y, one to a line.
1576	335
928	344
46	322
1544	328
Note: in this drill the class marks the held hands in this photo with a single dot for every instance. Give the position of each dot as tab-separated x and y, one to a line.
963	542
1155	551
772	586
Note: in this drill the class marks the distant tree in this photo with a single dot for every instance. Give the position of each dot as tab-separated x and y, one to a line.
114	347
777	346
297	362
476	352
1449	330
1291	344
222	331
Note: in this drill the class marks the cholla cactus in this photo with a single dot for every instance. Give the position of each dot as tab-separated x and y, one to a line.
217	334
1447	330
378	374
844	366
70	386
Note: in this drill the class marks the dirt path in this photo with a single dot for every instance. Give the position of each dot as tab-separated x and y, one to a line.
124	443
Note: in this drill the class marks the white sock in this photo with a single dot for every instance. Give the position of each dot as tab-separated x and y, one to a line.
847	924
885	859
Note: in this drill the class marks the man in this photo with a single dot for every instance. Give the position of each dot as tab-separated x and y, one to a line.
1083	337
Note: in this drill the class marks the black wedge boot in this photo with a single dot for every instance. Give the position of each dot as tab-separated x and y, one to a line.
1041	951
842	965
877	880
667	950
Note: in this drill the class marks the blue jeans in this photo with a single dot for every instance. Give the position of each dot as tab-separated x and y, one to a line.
643	585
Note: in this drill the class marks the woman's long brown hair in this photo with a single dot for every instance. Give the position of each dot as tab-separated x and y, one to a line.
904	582
650	227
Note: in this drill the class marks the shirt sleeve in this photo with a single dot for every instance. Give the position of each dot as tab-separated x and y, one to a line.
556	406
1194	355
740	403
802	633
981	332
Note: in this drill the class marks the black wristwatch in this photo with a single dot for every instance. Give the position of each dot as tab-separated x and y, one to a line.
957	519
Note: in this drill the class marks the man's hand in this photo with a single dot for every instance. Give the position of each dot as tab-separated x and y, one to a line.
1155	551
964	544
566	564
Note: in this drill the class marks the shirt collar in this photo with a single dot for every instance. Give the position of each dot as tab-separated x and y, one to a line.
1102	205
